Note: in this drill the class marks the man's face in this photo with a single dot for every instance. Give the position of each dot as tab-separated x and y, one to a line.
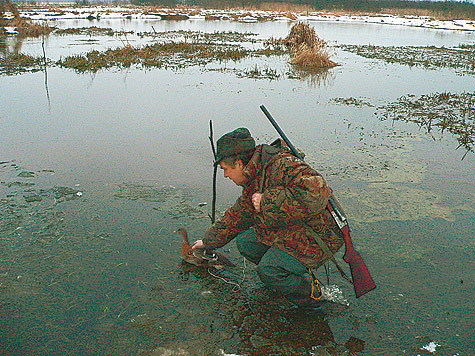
234	172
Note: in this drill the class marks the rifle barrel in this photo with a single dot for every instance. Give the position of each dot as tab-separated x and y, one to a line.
279	130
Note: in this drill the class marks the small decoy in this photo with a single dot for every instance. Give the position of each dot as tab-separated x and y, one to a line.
187	252
201	257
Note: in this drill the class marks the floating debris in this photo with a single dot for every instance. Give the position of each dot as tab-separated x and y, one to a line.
351	102
66	193
446	111
461	59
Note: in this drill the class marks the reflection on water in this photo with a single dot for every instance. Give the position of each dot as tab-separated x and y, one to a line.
315	79
10	45
92	189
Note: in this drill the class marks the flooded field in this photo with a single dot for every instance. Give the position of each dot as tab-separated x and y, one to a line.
99	167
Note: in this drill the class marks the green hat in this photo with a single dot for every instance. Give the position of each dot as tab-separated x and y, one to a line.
233	143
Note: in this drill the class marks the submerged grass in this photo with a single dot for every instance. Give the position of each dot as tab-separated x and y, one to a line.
450	112
166	55
17	63
89	31
202	37
461	59
179	54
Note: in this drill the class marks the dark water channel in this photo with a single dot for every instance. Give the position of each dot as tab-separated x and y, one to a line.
98	170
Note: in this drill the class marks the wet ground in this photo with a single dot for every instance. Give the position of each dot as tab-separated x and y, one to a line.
98	169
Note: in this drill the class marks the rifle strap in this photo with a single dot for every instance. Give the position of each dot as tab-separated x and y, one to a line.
329	254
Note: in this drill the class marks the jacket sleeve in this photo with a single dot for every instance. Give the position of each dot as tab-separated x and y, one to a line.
237	219
294	193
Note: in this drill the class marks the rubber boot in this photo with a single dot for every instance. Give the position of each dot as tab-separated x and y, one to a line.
297	289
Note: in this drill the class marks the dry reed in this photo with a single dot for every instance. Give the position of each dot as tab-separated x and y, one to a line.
307	50
311	57
30	29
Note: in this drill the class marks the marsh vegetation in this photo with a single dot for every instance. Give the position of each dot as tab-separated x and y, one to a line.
461	59
450	112
180	49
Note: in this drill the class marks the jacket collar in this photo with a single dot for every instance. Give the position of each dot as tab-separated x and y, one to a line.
262	156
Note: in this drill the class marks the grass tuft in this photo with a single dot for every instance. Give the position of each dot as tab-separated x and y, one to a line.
307	50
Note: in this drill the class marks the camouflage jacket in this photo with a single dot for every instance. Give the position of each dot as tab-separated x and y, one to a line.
293	202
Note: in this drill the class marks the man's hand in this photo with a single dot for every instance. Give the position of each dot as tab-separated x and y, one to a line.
256	201
198	245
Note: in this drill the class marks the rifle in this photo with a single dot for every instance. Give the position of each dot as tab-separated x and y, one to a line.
361	278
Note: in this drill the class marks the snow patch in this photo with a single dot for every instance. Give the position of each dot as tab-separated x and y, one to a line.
334	294
431	347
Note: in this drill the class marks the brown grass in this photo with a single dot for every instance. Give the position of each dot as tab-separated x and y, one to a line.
311	57
24	27
19	63
285	7
307	49
29	29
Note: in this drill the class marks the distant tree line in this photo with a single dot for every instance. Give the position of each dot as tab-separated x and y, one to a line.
454	8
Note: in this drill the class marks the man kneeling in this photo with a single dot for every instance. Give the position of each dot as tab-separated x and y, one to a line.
274	221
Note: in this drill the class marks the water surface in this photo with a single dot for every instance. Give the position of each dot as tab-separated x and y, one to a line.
98	170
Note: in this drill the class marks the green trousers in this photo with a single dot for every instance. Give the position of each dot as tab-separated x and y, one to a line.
278	270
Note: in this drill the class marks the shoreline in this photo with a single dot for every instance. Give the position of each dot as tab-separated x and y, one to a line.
58	12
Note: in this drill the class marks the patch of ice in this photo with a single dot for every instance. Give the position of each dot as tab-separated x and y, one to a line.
11	30
225	354
8	15
431	346
333	293
248	19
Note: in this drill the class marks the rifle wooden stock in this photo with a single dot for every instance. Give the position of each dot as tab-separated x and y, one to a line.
360	275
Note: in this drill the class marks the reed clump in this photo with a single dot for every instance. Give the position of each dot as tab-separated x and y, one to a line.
307	50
